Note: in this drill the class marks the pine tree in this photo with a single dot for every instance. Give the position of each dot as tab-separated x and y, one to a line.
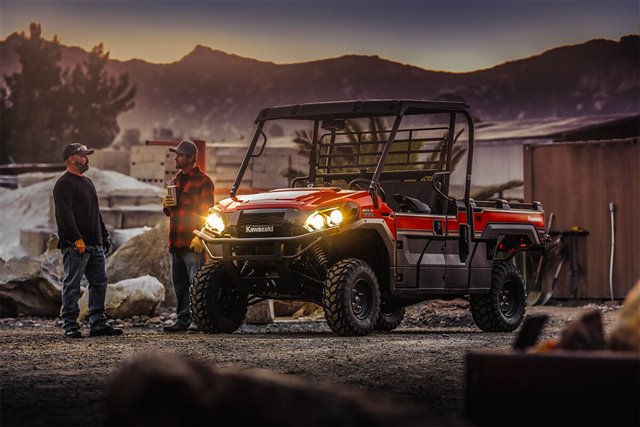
33	109
96	99
44	107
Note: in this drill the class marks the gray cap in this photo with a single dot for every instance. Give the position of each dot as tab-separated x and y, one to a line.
186	147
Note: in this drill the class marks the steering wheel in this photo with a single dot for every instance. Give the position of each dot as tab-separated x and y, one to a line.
363	184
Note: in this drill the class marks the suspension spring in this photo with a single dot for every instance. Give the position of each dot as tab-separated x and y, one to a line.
321	258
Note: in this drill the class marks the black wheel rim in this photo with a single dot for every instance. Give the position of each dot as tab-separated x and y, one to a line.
508	299
361	299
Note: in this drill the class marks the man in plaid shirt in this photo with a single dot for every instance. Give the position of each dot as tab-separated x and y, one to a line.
187	212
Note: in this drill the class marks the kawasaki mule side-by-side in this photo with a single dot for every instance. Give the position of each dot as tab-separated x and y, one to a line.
372	227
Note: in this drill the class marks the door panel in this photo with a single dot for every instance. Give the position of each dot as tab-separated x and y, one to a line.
425	250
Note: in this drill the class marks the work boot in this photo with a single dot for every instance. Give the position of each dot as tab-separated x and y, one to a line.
73	332
176	327
105	330
193	329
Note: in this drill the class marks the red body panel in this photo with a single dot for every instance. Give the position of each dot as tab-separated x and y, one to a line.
303	199
493	216
310	199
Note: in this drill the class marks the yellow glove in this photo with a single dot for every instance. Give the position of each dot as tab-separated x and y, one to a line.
196	245
169	201
80	246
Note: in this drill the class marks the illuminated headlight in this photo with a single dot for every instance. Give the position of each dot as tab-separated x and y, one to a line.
215	223
324	219
335	217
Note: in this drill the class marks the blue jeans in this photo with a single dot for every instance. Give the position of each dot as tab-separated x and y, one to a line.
184	265
91	263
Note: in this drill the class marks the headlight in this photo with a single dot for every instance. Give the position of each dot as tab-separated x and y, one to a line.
320	220
215	223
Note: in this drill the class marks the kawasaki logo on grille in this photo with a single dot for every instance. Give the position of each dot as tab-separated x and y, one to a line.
259	229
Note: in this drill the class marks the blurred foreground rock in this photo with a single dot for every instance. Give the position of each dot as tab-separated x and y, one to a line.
128	298
163	389
625	334
145	254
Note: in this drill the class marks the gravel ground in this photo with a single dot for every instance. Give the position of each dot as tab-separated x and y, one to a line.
48	380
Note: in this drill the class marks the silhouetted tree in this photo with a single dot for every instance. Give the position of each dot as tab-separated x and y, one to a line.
96	99
44	107
33	106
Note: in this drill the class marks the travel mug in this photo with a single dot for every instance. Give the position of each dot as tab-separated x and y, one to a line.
171	191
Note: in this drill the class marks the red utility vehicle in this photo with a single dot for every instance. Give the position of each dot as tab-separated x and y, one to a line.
372	228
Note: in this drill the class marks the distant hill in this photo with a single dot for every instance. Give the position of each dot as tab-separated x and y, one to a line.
214	95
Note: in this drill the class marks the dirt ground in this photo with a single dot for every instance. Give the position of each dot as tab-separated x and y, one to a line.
47	380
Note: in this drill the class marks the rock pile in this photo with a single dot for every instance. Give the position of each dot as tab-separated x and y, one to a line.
145	254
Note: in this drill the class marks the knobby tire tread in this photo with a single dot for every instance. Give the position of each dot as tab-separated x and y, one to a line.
205	308
337	298
485	308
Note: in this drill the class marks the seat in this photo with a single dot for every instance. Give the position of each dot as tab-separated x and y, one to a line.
411	204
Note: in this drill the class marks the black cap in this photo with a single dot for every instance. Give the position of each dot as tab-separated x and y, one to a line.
186	147
76	148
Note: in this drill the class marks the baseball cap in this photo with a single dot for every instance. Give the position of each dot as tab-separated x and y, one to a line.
186	147
76	148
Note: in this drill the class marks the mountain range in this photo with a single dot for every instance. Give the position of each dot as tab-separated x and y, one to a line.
214	95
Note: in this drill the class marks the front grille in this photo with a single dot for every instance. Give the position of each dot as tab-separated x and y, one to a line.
263	224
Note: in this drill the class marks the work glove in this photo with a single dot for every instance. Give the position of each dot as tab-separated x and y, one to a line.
196	245
169	202
80	246
106	245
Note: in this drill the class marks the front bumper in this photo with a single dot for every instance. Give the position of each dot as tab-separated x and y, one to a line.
271	248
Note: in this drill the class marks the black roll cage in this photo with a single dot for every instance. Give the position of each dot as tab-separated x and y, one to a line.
334	112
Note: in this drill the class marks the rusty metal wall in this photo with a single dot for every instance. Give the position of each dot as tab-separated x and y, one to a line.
577	181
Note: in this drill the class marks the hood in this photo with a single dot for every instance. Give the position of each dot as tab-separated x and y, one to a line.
303	199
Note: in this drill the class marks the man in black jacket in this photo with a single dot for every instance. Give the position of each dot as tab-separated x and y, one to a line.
84	241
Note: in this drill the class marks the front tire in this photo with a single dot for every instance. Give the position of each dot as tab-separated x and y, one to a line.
351	298
217	306
503	308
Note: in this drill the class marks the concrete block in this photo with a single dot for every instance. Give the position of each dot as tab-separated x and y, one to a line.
34	240
139	217
113	160
112	217
116	200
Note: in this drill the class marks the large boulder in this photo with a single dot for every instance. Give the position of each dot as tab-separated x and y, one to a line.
32	286
145	254
128	298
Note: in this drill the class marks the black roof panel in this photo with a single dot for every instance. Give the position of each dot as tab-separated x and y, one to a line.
358	108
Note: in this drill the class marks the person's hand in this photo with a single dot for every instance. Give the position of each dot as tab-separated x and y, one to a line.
106	245
80	246
196	245
169	201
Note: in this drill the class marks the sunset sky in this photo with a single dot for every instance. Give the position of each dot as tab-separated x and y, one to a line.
453	35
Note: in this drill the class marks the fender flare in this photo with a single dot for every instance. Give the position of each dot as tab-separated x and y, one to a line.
499	231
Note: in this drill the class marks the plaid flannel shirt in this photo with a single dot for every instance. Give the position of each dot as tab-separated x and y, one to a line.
194	196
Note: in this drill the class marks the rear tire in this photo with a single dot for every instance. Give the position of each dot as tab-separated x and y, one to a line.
390	321
351	298
217	306
503	308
